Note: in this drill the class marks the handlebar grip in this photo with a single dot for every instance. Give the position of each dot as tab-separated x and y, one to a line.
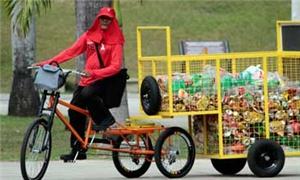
33	67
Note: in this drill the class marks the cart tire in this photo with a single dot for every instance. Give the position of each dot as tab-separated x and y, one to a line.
168	153
134	160
266	158
229	166
150	96
35	150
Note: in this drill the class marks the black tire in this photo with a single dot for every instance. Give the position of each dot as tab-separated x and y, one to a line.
140	163
229	166
266	158
35	150
174	152
150	96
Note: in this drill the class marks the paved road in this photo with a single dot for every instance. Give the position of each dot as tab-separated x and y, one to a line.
104	169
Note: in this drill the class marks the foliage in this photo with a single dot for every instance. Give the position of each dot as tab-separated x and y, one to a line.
21	11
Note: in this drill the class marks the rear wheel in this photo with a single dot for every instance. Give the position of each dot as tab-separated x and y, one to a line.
228	166
36	150
132	165
174	152
266	158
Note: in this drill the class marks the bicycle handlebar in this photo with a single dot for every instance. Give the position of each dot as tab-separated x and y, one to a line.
66	71
74	72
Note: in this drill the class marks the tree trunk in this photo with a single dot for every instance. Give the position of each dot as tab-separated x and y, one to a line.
121	113
24	98
86	12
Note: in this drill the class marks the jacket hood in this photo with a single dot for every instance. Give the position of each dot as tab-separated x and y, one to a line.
112	35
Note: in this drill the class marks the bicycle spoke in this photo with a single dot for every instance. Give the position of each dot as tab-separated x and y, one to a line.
35	157
176	156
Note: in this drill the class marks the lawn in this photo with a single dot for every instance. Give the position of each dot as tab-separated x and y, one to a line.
14	128
12	133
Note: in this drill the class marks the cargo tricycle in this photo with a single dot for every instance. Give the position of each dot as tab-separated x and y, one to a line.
130	143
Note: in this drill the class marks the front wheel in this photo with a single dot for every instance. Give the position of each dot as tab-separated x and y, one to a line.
174	152
35	150
132	165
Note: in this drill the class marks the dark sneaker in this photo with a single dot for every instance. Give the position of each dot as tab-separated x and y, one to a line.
104	124
71	156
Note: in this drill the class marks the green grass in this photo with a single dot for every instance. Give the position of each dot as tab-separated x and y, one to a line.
12	130
248	25
12	133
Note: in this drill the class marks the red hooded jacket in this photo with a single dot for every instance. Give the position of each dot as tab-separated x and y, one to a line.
110	47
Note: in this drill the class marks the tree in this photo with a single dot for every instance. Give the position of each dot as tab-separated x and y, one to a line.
24	98
120	113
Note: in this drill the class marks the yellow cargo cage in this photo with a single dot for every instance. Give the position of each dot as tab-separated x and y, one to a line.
234	98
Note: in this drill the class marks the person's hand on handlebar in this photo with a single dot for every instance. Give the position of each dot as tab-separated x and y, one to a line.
86	74
36	64
43	62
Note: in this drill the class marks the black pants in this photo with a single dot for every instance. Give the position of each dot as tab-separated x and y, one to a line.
87	97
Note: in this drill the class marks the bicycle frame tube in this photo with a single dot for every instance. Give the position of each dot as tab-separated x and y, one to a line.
83	142
54	101
51	108
134	149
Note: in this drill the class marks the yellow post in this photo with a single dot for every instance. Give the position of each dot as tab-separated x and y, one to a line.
279	37
266	97
187	67
233	65
139	53
139	56
280	63
169	64
218	85
279	49
153	66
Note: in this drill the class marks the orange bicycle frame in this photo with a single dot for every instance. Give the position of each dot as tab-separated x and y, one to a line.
120	131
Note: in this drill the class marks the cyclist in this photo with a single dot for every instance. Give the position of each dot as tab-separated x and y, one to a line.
107	34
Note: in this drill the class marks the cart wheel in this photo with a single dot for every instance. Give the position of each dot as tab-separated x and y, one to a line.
150	96
229	166
132	165
266	158
174	152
